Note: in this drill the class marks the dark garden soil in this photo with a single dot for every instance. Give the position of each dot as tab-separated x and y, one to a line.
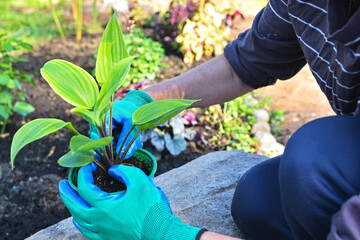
29	199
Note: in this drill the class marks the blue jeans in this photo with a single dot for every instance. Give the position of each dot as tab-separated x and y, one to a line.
294	196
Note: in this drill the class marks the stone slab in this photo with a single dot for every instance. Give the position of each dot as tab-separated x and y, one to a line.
200	193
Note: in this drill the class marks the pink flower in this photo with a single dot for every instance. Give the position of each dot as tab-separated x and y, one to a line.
167	39
132	5
173	20
141	84
190	118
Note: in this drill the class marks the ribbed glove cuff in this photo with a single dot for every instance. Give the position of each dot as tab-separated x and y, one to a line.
160	224
138	98
131	102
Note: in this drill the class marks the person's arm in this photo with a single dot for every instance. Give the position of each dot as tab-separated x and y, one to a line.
215	236
213	82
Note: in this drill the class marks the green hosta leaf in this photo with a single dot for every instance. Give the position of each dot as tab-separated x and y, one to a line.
115	79
81	143
76	159
88	115
35	130
111	50
155	113
105	109
23	108
71	82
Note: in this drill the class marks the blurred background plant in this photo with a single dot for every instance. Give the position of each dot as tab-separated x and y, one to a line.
203	35
234	121
31	20
12	98
149	58
197	28
77	11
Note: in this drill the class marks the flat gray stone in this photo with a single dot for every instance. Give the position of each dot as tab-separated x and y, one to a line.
200	193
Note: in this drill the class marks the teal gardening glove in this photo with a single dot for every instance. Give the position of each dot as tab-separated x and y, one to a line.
122	114
141	212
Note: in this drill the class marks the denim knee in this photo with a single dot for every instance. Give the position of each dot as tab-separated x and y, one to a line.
313	174
256	207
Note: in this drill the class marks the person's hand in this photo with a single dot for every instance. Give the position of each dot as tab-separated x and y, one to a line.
122	114
140	212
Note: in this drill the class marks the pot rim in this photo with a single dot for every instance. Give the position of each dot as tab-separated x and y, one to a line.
138	151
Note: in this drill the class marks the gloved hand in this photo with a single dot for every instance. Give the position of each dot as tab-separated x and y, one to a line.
122	114
141	212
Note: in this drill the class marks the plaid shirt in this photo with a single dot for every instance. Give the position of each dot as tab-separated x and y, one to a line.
288	33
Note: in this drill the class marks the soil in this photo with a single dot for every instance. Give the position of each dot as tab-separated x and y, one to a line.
109	184
106	182
29	198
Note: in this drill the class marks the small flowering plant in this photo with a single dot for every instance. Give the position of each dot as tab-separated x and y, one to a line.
93	100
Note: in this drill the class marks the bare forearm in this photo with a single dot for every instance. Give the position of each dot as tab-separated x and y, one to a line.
213	82
215	236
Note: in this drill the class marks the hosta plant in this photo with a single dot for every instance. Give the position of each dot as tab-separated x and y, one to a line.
79	88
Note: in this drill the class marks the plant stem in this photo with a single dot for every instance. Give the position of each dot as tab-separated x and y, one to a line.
123	143
57	22
107	150
100	131
3	127
104	128
79	20
95	13
100	155
99	164
77	9
110	135
101	135
128	146
11	71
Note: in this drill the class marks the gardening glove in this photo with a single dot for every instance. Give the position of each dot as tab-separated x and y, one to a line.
122	122
142	211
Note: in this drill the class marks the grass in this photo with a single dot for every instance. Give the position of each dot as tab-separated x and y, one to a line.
31	20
